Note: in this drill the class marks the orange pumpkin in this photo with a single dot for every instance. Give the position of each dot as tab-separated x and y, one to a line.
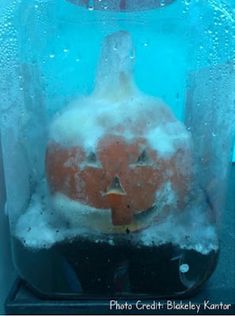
123	174
120	176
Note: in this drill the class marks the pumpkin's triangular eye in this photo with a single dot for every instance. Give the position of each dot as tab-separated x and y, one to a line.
92	161
143	158
91	158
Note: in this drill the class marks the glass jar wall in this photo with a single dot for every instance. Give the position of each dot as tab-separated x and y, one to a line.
117	141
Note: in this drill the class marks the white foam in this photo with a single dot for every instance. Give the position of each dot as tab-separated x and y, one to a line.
85	121
80	215
117	102
189	230
40	227
46	223
167	139
166	195
33	228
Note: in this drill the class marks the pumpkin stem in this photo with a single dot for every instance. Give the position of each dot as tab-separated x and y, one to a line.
114	76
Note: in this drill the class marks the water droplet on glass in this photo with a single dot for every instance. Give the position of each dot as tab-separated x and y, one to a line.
184	268
90	5
105	6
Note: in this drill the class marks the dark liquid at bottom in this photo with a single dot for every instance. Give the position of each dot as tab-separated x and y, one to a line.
85	267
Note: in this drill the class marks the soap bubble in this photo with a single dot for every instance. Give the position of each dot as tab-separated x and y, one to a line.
184	268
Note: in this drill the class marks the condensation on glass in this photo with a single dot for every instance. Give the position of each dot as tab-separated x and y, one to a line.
116	124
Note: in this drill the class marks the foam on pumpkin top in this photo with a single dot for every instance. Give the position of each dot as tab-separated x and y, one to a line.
117	107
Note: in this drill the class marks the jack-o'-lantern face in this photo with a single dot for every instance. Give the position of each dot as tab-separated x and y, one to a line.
120	175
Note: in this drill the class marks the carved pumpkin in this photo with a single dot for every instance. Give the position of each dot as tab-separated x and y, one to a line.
138	150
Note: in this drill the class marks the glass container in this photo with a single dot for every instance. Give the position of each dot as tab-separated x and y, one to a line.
116	125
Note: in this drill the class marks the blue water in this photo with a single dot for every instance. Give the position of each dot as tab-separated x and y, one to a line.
165	52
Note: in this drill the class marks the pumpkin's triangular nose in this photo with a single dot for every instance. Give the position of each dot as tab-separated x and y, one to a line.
116	187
